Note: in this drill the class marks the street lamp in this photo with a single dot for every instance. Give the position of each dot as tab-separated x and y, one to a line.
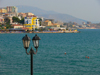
26	43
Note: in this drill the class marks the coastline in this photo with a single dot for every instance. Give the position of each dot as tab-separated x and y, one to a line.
58	32
43	32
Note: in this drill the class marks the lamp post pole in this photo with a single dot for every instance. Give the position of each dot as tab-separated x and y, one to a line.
31	61
26	43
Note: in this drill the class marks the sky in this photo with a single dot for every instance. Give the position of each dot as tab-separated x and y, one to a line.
84	9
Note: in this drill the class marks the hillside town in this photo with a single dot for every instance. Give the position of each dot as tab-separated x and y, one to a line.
11	21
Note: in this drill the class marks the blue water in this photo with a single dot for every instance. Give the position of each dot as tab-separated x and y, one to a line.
50	59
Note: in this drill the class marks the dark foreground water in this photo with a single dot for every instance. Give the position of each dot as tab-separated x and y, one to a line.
50	59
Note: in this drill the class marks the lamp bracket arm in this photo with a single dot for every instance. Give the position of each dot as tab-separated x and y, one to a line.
27	52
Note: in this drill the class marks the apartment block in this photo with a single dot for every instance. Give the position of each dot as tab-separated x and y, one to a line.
2	10
31	22
29	14
11	9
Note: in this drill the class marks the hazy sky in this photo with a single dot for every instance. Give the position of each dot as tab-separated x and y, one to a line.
83	9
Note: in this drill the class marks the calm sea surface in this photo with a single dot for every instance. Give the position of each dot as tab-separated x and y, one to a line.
50	59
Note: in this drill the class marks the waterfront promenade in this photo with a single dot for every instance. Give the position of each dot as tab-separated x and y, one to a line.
58	32
40	32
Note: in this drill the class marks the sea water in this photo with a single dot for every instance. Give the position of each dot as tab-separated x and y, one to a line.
51	58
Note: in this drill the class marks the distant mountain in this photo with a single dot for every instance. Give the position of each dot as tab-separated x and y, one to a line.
63	17
49	14
35	10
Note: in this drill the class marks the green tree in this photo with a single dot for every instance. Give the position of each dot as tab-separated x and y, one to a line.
0	26
8	26
22	21
65	23
7	20
15	19
40	20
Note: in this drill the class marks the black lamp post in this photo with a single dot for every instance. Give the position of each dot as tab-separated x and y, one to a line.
26	43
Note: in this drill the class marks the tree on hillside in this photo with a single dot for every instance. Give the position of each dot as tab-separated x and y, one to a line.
8	26
22	21
7	20
15	19
40	20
